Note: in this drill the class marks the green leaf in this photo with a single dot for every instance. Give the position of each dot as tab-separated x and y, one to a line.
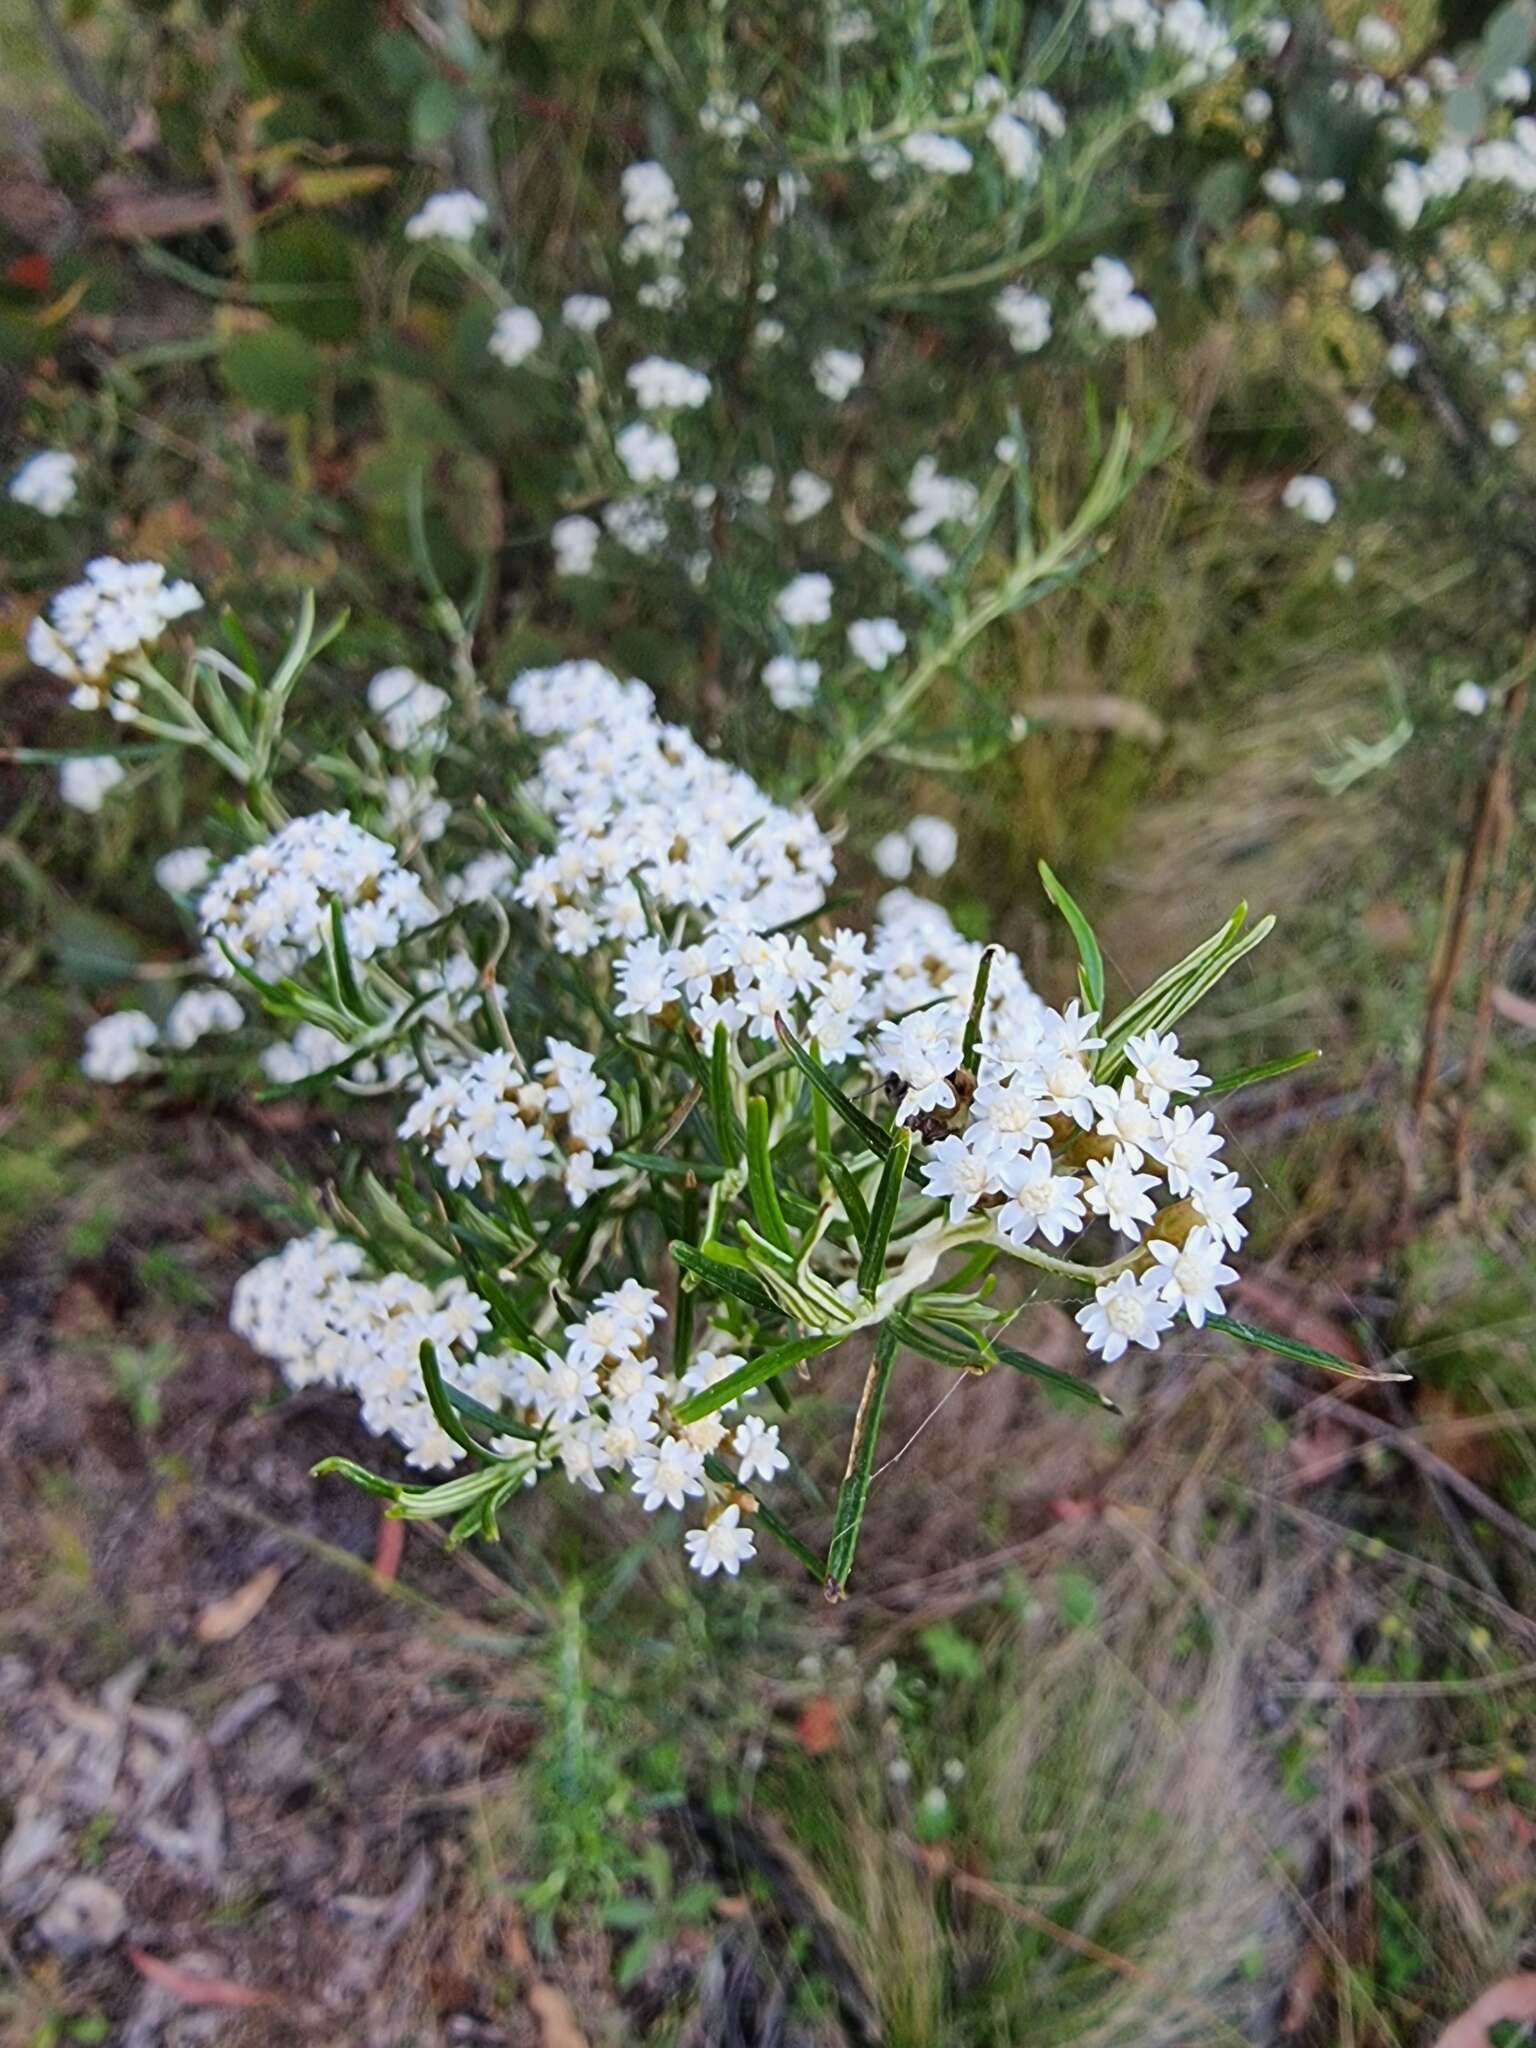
853	1494
953	1345
875	1136
855	1208
1288	1347
1090	972
726	1272
1077	1599
972	1041
1177	992
882	1217
760	1186
435	109
272	369
1248	1077
722	1111
305	272
702	1171
757	1372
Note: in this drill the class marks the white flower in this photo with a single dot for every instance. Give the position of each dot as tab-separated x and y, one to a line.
1126	1117
964	1170
1125	1311
515	333
1118	1192
876	641
722	1545
648	453
197	1012
649	193
806	600
1160	1068
447	217
660	385
1343	570
943	155
1218	1201
1503	433
1018	146
1375	37
1311	496
1257	106
585	312
115	1046
183	871
1403	194
1187	1145
46	483
668	1471
936	500
756	1445
892	855
1112	302
836	372
574	540
1039	1199
808	495
1190	1278
792	683
85	779
1027	317
935	842
1471	698
410	710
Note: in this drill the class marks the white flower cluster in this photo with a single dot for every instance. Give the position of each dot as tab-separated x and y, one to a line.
410	710
1112	302
119	611
556	1122
46	483
635	800
119	1048
658	231
1198	40
271	908
602	1406
447	217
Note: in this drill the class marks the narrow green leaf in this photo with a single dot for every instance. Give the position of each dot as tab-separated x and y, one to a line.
760	1184
855	1208
347	1468
1288	1347
725	1272
1090	972
757	1372
722	1113
882	1217
955	1346
853	1494
349	995
1248	1077
875	1136
972	1042
442	1407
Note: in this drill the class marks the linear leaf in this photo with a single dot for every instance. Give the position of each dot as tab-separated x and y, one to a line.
1090	972
726	1272
1248	1077
757	1372
882	1216
765	1518
1288	1347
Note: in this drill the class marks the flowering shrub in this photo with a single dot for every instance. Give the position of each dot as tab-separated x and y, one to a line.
669	1132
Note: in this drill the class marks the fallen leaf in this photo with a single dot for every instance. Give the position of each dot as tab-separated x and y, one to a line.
558	2026
818	1727
192	1988
222	1620
389	1548
1512	1998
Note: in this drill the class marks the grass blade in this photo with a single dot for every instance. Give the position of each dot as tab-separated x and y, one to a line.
1248	1077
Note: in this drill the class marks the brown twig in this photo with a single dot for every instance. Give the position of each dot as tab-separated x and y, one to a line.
1492	801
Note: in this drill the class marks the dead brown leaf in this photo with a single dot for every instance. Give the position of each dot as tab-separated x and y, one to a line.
1512	1998
222	1620
558	2025
192	1988
1305	1990
818	1727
